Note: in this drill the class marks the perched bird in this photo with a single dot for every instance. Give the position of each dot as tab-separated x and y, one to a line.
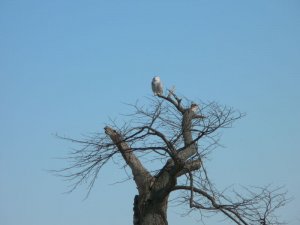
195	110
194	107
157	86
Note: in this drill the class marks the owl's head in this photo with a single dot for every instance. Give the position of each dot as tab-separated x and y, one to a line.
156	78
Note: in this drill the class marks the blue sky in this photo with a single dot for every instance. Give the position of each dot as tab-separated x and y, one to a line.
67	66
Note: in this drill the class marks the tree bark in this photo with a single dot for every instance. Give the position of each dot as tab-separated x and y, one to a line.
190	147
150	206
150	212
140	175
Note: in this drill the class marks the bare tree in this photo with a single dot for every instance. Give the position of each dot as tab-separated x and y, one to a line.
176	136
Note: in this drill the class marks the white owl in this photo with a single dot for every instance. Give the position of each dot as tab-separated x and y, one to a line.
157	86
194	107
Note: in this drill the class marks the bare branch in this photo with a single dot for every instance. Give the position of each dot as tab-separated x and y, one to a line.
257	208
140	174
190	166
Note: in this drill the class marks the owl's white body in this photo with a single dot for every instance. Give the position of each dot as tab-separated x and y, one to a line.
157	86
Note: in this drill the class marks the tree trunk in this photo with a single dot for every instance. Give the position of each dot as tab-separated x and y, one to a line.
150	206
150	212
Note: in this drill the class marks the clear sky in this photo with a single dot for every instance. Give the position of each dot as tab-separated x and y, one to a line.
67	66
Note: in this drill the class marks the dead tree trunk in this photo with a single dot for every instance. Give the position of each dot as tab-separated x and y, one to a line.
150	212
150	206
